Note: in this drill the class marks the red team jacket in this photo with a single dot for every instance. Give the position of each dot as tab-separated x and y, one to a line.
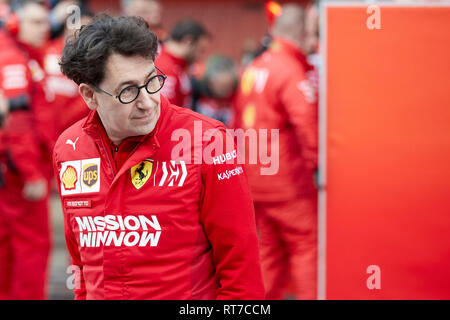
276	93
177	87
158	227
24	137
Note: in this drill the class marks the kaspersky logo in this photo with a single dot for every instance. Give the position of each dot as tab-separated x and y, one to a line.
118	231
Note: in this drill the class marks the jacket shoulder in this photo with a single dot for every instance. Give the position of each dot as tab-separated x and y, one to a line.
70	134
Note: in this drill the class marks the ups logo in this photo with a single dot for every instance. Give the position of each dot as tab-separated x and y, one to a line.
90	174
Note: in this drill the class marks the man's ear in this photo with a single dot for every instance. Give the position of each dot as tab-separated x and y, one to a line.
87	92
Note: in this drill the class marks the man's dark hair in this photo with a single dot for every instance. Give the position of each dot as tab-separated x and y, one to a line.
85	55
188	28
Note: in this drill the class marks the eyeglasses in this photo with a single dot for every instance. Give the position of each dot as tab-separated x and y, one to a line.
131	93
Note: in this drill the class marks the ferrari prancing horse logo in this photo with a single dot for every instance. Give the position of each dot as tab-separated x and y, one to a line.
140	173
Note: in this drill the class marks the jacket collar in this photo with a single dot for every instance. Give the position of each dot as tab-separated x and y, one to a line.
94	128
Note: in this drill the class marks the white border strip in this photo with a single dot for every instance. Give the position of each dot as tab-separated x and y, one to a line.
322	215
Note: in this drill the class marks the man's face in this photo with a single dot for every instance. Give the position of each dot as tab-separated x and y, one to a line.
197	50
138	117
34	26
222	84
148	9
311	31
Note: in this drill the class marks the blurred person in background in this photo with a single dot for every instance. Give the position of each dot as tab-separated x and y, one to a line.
150	10
187	44
249	51
66	104
272	10
213	94
24	225
275	93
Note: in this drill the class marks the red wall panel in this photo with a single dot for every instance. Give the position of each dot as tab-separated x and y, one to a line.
388	152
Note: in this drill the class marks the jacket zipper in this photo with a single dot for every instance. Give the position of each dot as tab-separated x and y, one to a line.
107	155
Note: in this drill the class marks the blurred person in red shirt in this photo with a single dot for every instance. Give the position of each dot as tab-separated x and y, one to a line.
26	162
213	93
186	45
62	93
150	10
276	93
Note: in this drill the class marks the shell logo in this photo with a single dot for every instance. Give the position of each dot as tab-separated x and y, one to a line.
69	178
247	82
248	116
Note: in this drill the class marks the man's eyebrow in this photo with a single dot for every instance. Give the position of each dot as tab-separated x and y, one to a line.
133	81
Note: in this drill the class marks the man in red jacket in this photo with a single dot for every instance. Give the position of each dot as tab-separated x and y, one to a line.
24	221
186	45
144	218
275	93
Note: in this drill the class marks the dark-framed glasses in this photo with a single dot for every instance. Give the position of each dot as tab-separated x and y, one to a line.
131	93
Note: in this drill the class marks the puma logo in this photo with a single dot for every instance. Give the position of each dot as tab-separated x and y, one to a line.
68	141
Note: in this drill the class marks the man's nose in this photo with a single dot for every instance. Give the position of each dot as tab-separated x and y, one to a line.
146	100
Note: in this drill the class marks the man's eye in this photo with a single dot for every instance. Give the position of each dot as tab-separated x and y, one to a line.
129	92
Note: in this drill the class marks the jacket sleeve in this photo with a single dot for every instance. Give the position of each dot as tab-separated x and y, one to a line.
227	215
71	242
23	143
298	98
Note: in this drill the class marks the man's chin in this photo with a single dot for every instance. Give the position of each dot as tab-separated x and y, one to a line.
142	130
